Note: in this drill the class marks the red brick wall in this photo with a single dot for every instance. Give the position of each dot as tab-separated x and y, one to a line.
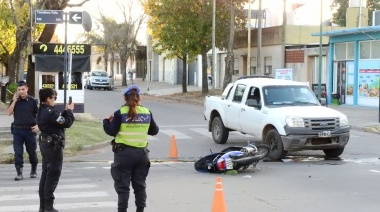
295	56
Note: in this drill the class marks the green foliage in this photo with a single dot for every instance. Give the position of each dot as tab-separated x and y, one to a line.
339	17
12	87
184	27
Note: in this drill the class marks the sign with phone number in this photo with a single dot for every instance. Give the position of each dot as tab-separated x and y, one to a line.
59	49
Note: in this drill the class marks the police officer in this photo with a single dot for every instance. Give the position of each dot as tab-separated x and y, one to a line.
52	125
130	126
24	128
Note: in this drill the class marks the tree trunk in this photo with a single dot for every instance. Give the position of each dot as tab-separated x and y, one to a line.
112	64
47	33
123	66
229	68
30	77
184	74
204	71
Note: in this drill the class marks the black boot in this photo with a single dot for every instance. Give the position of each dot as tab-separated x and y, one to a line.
51	210
19	174
33	173
42	205
139	209
49	206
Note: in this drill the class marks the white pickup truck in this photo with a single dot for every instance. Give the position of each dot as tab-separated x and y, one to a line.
286	115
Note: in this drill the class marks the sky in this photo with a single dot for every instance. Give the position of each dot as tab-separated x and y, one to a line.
108	8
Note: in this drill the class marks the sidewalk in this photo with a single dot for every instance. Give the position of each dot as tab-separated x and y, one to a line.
360	118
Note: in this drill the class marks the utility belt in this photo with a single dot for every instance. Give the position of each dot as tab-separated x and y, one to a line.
22	127
53	140
116	147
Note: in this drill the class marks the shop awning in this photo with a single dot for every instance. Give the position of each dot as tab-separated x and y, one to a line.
367	29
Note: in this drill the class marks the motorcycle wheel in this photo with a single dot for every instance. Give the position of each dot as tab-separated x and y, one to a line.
262	150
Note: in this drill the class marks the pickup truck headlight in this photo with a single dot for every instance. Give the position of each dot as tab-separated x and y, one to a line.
343	121
295	121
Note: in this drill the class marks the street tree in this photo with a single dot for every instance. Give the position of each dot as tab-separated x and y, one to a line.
339	17
183	29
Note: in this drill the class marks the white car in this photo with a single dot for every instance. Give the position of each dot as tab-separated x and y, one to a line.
99	79
284	114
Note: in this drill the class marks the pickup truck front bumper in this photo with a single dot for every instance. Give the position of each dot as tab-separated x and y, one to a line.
305	139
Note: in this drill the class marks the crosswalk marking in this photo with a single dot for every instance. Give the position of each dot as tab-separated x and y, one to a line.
68	195
65	206
203	131
60	187
74	193
178	135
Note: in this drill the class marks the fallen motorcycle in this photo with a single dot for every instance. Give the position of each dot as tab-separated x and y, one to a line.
232	158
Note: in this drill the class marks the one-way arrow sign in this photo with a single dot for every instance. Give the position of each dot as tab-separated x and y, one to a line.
75	17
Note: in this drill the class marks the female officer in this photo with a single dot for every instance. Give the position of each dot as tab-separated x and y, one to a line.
52	124
130	126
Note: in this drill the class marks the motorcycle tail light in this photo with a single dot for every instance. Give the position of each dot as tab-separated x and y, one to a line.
221	165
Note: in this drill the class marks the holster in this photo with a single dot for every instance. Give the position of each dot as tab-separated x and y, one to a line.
54	140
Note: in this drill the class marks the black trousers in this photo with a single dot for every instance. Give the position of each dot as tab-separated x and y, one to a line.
131	165
51	171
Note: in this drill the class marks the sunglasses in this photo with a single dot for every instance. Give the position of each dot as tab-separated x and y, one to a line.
54	97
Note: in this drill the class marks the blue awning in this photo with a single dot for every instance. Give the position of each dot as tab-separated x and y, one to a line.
349	31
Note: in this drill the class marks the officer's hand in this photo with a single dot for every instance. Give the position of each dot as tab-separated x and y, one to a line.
70	106
110	117
35	128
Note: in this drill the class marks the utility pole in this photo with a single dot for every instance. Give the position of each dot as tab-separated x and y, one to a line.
259	33
320	57
249	40
213	48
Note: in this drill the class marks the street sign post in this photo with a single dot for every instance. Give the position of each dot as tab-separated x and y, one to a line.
49	16
59	17
75	17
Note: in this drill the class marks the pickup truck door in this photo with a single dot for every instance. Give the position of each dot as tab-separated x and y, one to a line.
251	117
233	107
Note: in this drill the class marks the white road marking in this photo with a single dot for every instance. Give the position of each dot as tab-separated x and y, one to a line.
178	135
66	206
35	188
57	195
374	171
202	131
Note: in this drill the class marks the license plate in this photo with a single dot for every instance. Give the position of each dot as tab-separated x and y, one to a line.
229	164
324	134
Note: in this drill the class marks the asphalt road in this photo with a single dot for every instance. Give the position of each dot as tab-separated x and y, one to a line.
304	181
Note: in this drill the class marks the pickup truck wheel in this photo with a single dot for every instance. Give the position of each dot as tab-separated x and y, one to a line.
333	152
219	131
273	140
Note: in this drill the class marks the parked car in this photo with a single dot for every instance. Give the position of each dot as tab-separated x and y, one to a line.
99	79
284	114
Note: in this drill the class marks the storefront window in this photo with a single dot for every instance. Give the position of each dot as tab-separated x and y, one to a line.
350	51
48	81
76	81
365	49
340	51
375	50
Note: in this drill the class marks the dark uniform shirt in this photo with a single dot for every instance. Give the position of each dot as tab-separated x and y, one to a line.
112	128
50	121
25	111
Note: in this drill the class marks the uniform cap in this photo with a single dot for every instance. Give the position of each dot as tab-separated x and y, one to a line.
130	88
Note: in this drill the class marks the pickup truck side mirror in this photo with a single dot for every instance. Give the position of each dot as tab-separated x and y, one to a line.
253	103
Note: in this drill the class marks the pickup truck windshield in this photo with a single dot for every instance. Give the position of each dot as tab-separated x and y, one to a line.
289	96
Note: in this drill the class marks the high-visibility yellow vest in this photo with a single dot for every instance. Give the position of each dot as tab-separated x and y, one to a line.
134	132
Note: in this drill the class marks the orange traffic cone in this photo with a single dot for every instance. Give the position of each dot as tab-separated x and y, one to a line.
218	204
173	153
